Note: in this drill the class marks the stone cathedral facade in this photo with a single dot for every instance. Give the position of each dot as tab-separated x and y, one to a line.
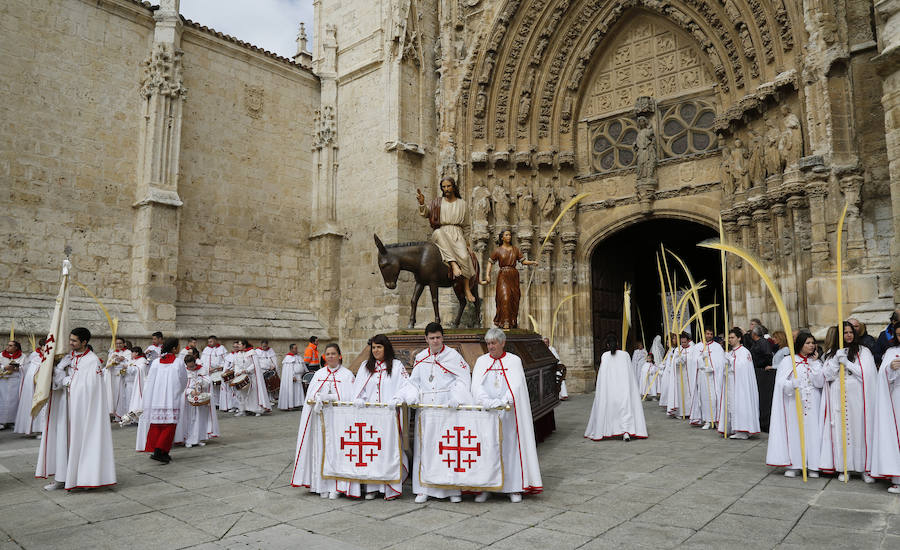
209	186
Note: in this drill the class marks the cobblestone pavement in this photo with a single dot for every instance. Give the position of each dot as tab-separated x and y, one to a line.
682	487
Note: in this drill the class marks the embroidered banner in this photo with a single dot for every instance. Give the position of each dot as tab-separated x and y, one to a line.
460	448
361	444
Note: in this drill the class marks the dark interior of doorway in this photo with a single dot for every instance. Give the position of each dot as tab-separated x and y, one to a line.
630	255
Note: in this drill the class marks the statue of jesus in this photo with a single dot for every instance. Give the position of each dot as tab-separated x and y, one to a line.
447	215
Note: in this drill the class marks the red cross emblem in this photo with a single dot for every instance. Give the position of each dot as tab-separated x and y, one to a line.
459	463
358	455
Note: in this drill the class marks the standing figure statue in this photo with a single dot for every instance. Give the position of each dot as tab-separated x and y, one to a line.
773	153
645	148
501	205
739	170
791	138
447	214
726	174
757	167
509	292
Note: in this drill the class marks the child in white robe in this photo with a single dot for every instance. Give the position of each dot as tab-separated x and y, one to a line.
739	393
784	448
197	422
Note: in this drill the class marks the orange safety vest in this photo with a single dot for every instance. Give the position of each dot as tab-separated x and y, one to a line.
311	355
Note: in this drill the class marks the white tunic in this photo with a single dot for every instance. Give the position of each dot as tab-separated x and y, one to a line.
449	237
436	379
503	379
164	390
24	423
197	423
88	460
741	403
142	368
886	437
617	406
665	377
10	386
214	359
330	384
290	394
254	398
860	382
710	366
122	383
381	387
649	379
638	358
228	398
681	379
784	431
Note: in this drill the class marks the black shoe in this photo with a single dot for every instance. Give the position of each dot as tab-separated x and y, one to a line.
166	458
157	455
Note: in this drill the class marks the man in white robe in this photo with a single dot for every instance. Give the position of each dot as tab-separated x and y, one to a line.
213	358
667	371
25	424
447	216
228	397
638	358
710	366
440	376
290	395
117	369
12	368
739	393
268	361
886	436
189	348
498	379
163	396
680	378
77	445
617	409
254	398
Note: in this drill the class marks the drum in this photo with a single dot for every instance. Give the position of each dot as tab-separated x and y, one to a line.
199	400
307	378
227	376
216	377
273	381
240	382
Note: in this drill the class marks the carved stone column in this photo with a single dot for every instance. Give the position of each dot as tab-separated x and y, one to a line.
784	257
851	185
801	244
156	236
888	14
816	190
735	275
326	238
750	305
763	222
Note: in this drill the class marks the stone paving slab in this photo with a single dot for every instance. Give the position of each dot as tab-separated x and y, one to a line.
681	488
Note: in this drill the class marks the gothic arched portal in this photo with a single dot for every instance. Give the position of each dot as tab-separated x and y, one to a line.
629	255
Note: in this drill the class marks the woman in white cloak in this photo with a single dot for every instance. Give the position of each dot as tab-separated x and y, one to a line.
738	410
617	410
886	436
333	382
377	381
784	432
25	424
290	394
859	384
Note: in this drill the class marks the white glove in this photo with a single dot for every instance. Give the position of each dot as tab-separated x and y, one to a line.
841	353
453	403
498	403
317	408
795	382
396	401
359	402
66	381
842	359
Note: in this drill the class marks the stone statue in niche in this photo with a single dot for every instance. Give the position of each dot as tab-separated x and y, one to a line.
757	168
524	203
773	153
791	138
726	175
645	149
500	198
566	194
547	203
480	103
739	169
481	206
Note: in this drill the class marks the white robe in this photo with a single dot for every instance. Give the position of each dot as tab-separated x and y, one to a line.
25	424
214	359
886	425
381	387
617	408
290	394
449	237
164	390
681	380
152	353
860	382
122	384
197	423
437	380
710	364
228	397
82	428
649	380
664	379
638	358
254	398
336	384
784	431
503	379
136	404
10	387
742	401
53	452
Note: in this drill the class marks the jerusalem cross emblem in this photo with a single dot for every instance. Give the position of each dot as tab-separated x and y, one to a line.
361	449
465	452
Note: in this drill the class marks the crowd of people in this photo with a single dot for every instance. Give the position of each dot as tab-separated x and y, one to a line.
751	384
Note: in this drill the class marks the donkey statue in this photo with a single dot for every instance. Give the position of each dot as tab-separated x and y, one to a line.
423	260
